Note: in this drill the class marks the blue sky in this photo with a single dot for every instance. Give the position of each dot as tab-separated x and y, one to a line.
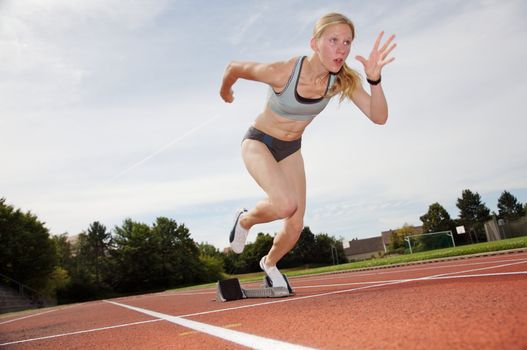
110	110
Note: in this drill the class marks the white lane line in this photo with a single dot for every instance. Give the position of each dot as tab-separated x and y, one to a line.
79	332
212	291
322	277
386	283
245	339
342	274
356	283
168	294
286	300
481	275
480	269
23	318
337	275
409	280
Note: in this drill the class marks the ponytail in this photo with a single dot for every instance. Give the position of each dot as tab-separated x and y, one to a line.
346	82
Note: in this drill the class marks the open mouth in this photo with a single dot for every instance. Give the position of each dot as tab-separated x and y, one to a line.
338	61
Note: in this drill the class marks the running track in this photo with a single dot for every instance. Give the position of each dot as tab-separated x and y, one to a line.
469	303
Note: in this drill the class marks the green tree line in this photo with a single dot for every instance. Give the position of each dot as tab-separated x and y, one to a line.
132	258
310	250
135	257
473	213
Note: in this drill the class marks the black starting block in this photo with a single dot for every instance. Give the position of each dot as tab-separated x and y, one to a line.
230	289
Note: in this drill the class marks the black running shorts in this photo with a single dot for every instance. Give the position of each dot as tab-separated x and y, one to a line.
278	148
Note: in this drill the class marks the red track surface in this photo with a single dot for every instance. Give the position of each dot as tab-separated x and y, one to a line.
473	303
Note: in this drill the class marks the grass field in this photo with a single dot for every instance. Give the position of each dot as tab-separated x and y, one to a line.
505	244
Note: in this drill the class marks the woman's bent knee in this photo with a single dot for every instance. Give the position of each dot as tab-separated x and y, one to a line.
285	207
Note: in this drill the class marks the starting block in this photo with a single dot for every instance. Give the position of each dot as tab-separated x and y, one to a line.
230	289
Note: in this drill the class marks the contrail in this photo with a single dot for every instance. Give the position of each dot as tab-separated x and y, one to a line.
168	145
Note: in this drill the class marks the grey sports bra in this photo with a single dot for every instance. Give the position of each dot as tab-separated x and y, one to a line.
289	104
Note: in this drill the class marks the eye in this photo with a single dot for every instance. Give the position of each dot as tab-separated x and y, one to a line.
333	40
347	42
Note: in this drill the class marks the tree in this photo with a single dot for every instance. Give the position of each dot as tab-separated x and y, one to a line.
27	253
310	249
257	250
472	212
74	269
136	257
249	259
206	249
60	279
98	242
180	263
397	243
232	264
397	240
63	249
213	268
509	208
436	219
304	250
325	247
82	285
212	261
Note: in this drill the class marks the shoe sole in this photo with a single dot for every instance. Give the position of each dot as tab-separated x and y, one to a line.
231	237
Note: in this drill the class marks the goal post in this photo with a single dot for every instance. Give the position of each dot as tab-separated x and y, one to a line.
430	241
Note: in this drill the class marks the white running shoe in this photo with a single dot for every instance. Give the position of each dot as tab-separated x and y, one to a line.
238	233
273	273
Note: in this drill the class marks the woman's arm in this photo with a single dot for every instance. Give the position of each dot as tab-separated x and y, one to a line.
374	105
273	74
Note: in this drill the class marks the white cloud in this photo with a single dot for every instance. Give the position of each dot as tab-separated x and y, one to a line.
92	89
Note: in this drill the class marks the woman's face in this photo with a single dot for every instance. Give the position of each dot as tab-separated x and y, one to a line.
333	46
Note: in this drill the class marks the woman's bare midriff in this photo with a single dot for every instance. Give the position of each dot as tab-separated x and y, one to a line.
279	127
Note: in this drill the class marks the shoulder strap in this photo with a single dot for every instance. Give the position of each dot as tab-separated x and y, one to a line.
292	77
298	67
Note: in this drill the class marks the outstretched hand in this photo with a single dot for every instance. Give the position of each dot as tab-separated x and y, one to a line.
378	57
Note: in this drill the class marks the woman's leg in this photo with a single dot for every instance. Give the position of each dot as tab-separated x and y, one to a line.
285	185
287	237
282	199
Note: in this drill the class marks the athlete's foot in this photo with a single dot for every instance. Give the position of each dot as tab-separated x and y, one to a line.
238	233
272	272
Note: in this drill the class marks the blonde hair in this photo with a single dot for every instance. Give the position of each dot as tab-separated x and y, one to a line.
347	78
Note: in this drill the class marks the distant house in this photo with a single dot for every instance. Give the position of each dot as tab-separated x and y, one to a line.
360	249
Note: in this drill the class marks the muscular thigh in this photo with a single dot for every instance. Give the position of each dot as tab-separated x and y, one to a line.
264	169
293	168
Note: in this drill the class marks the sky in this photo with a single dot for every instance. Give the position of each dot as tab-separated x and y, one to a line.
111	110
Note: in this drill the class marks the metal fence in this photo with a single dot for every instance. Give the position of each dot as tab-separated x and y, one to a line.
34	296
502	229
